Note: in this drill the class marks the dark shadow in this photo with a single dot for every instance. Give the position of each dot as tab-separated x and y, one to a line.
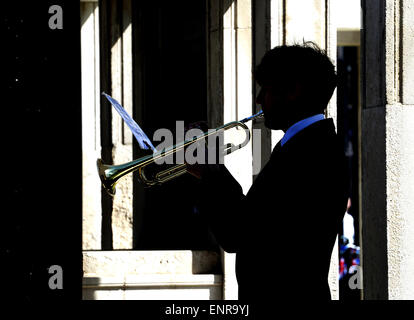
42	137
206	262
348	131
88	10
170	75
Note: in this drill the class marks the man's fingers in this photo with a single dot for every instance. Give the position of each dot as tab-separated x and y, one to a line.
194	170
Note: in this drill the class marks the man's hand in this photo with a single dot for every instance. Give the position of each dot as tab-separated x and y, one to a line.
201	170
195	170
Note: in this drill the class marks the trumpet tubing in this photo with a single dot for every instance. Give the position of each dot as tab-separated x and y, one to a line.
110	174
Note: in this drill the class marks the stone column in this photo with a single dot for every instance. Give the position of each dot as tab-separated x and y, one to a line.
230	92
387	150
121	87
91	142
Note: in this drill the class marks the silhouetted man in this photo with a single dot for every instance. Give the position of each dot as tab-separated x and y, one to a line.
284	229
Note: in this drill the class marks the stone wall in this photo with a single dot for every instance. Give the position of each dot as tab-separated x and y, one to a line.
151	275
387	150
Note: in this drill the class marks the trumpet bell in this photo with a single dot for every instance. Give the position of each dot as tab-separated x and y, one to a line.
110	174
147	175
106	179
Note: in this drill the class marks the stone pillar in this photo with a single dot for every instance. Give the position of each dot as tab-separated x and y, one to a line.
237	84
91	142
230	92
121	87
387	150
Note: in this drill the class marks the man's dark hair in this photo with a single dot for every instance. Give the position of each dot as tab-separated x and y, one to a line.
306	64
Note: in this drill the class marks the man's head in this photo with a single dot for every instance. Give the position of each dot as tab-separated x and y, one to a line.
296	82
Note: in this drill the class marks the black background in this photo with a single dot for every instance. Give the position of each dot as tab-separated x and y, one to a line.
42	151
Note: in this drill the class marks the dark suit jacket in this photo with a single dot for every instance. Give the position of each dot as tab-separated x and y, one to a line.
284	229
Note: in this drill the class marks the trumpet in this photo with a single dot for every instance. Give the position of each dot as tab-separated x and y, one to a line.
110	174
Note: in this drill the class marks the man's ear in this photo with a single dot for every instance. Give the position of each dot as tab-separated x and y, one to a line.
295	92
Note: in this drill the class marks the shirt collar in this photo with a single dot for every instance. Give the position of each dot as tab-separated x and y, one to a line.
300	125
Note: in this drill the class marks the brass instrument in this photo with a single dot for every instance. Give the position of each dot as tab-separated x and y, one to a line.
110	174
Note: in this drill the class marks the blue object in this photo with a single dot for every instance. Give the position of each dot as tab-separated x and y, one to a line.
300	125
143	141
